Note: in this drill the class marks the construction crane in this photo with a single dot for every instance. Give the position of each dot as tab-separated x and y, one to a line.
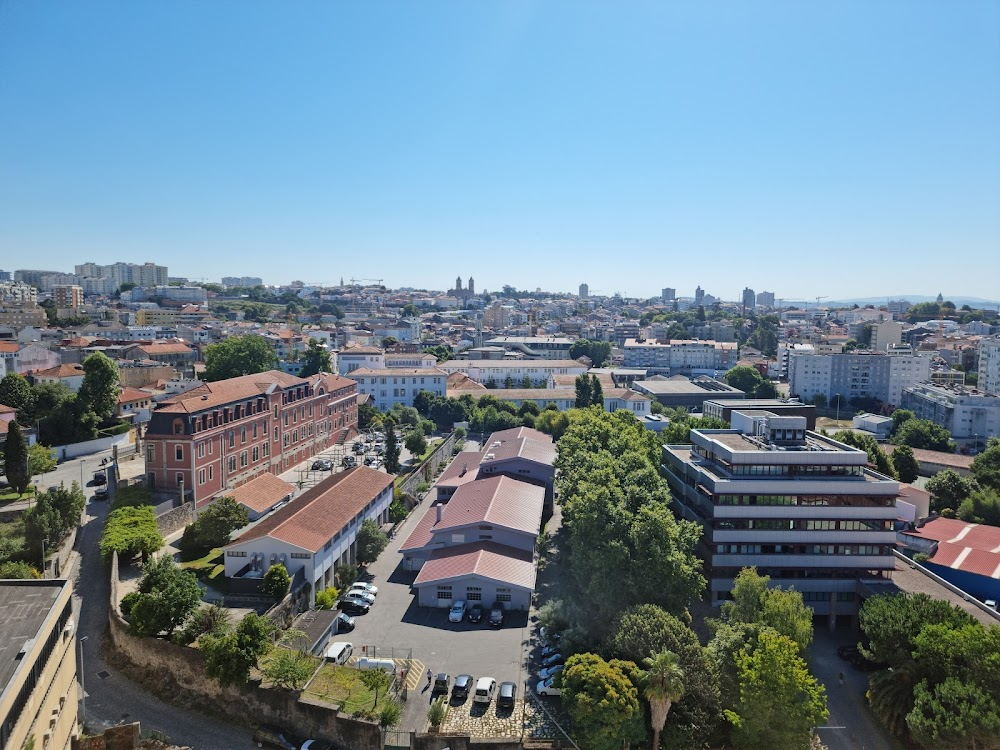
377	281
818	299
782	300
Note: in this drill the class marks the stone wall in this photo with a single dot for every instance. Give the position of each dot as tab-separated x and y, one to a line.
125	737
173	520
177	674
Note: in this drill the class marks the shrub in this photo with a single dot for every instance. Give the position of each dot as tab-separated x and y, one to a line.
276	582
130	531
437	712
10	570
327	598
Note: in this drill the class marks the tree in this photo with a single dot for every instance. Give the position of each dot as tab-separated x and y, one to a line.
213	618
899	417
390	716
552	422
891	624
370	542
11	569
744	378
214	525
315	360
290	668
986	466
367	414
130	531
236	356
954	715
906	466
982	506
583	391
276	582
15	391
922	433
662	687
15	456
40	460
415	442
99	391
600	700
780	701
166	597
596	392
754	602
391	454
68	503
437	712
229	657
377	681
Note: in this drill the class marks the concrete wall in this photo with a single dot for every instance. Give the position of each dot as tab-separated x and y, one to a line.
75	450
177	674
463	742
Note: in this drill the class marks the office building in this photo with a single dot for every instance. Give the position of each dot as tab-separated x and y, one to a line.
970	415
668	295
70	296
584	291
699	296
6	276
989	365
722	408
221	435
18	315
242	281
802	508
765	299
749	298
398	385
38	669
856	375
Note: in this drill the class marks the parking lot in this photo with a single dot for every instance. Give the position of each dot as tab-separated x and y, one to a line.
396	625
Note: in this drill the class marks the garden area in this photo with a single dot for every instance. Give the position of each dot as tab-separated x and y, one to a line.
344	687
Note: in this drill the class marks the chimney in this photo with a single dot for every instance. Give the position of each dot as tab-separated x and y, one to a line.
439	506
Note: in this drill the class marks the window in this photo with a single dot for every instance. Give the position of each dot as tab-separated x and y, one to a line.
201	450
201	476
275	434
178	427
243	458
502	597
255	430
301	555
232	439
238	553
150	452
243	435
179	452
210	473
267	450
255	453
232	464
444	592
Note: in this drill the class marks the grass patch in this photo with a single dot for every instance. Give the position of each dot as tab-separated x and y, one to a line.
208	567
11	540
266	659
342	686
8	495
137	494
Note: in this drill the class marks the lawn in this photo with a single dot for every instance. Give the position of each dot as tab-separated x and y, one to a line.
266	658
7	495
342	686
209	567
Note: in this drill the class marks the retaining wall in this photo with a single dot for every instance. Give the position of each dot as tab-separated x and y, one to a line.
426	471
75	450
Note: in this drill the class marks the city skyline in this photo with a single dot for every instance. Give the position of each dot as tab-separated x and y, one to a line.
776	146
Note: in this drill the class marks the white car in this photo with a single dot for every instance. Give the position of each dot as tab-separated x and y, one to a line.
485	689
548	672
546	687
360	596
362	586
457	613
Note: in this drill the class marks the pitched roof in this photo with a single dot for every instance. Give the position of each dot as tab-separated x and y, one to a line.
462	470
486	559
211	395
9	347
543	452
519	432
459	381
59	371
956	460
262	493
397	371
359	349
315	517
128	395
971	547
165	347
499	501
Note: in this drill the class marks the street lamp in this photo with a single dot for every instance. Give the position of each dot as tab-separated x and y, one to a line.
83	685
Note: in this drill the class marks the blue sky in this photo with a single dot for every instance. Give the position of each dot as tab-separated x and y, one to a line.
839	148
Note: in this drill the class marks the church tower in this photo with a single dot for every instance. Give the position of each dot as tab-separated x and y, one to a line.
472	285
458	284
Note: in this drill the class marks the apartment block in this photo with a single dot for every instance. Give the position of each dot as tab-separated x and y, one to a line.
802	508
147	274
397	385
855	375
67	296
221	435
680	357
886	334
242	281
989	365
38	669
12	291
765	299
967	413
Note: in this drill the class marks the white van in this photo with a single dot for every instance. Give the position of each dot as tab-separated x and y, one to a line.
485	689
386	665
340	652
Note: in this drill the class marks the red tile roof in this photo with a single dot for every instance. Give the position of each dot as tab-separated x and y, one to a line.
462	470
9	347
485	559
4	409
970	547
312	520
211	395
165	347
262	493
59	371
129	395
526	448
956	460
499	501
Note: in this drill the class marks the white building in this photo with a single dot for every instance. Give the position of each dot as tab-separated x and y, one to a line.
538	371
680	356
398	385
967	413
885	334
989	365
856	375
352	358
316	532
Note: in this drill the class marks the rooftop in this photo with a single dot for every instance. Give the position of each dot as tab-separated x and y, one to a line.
682	386
462	470
24	605
261	493
486	559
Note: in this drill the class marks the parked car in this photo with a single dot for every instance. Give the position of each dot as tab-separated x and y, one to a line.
547	687
496	614
991	603
486	688
271	736
354	606
552	659
361	596
322	464
365	586
442	683
101	493
550	649
457	612
349	461
379	449
550	671
369	460
476	613
100	478
463	686
343	623
359	448
507	695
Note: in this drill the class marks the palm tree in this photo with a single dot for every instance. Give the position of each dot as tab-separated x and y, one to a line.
663	685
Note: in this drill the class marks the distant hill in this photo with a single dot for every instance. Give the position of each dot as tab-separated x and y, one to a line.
914	298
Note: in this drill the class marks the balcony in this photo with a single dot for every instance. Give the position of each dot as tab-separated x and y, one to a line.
820	512
794	536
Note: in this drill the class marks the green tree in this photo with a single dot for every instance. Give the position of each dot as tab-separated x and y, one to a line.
11	569
600	700
367	415
68	503
40	460
663	685
982	506
276	582
416	443
986	466
315	360
166	597
596	392
230	656
954	715
377	681
780	701
99	391
899	417
390	716
289	668
922	433
370	542
391	454
236	356
15	391
15	456
214	525
754	602
891	624
437	712
409	311
584	391
212	618
552	422
130	531
906	466
744	378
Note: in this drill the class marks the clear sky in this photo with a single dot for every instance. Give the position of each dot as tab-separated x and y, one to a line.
808	148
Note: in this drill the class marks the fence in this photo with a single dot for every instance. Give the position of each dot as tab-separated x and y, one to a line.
426	471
